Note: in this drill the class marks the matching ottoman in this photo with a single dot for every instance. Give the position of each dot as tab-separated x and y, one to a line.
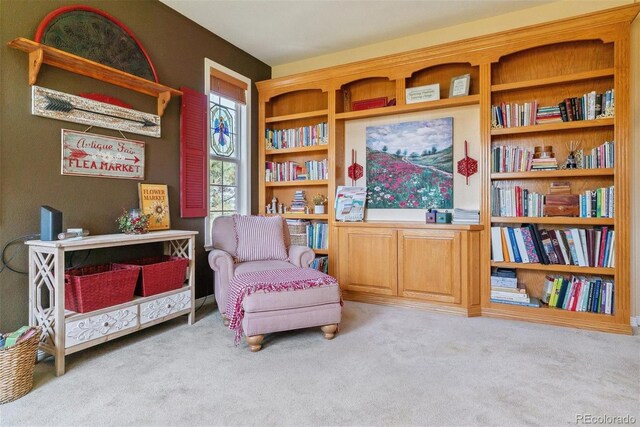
280	300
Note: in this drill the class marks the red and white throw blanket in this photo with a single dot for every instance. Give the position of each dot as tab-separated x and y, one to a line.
284	279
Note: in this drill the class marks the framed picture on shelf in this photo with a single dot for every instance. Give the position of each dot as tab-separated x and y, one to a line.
154	201
422	93
460	86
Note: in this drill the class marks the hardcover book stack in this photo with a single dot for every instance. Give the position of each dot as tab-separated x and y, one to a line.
587	294
550	114
317	169
320	263
574	246
285	171
466	216
589	106
505	289
318	235
299	203
507	115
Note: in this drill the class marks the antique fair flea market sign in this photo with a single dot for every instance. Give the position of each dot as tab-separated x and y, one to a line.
89	154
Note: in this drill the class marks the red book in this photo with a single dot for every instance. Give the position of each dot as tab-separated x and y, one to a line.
575	296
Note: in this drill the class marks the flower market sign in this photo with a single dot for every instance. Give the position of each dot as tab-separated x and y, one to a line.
88	154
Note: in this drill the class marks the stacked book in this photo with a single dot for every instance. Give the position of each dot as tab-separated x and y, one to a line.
466	216
318	235
545	163
587	107
550	114
317	169
575	246
507	115
285	171
505	289
299	203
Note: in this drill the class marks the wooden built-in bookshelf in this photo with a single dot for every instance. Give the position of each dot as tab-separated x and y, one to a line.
547	63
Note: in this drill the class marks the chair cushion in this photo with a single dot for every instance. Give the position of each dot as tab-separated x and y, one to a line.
259	238
267	301
251	266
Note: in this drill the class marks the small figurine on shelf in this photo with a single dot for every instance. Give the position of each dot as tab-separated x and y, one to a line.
281	208
274	205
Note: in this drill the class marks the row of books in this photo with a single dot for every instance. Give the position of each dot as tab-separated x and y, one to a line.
305	136
318	235
320	263
506	158
598	203
574	246
589	106
506	115
601	156
513	200
587	294
294	171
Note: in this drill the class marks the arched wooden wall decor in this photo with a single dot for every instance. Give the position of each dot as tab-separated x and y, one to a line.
95	35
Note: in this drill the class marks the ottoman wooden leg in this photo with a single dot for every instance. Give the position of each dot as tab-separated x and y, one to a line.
329	330
255	342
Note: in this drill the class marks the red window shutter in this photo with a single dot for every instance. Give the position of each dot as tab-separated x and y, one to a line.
193	154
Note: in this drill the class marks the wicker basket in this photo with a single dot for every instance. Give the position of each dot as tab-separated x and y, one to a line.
160	274
298	239
99	286
16	368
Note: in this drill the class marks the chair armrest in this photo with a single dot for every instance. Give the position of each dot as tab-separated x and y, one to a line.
301	256
221	262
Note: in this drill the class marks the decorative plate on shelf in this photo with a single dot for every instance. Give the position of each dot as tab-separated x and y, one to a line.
95	35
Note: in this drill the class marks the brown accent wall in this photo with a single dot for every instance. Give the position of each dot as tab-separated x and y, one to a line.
30	145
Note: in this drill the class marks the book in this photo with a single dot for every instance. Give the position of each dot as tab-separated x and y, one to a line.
548	247
496	245
534	302
530	246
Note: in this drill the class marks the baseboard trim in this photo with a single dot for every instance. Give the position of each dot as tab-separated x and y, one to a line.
635	321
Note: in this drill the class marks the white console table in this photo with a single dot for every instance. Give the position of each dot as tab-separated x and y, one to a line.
65	332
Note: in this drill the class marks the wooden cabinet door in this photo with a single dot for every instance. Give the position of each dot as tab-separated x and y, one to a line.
368	260
429	265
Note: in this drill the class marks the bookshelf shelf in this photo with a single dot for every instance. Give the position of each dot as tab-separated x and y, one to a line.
567	78
560	268
409	108
305	216
550	127
296	116
560	173
560	220
308	149
300	183
321	251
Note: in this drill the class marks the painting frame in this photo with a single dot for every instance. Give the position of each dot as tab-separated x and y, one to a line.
410	164
154	201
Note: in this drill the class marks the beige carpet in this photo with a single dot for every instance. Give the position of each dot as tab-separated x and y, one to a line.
387	366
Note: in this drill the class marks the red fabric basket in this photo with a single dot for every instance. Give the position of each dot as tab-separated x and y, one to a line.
159	274
98	286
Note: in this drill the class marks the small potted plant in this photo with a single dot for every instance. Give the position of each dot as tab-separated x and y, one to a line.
133	222
318	203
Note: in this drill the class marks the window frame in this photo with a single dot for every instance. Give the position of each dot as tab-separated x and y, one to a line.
243	196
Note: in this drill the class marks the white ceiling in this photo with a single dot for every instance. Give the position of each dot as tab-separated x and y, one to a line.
278	32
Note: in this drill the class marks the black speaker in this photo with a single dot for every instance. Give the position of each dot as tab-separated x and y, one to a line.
50	223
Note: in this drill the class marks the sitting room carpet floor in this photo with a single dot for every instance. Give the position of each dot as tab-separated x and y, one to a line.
386	366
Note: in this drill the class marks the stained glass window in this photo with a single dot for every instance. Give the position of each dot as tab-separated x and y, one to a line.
224	156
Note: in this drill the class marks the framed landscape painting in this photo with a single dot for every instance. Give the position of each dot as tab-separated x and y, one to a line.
410	165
